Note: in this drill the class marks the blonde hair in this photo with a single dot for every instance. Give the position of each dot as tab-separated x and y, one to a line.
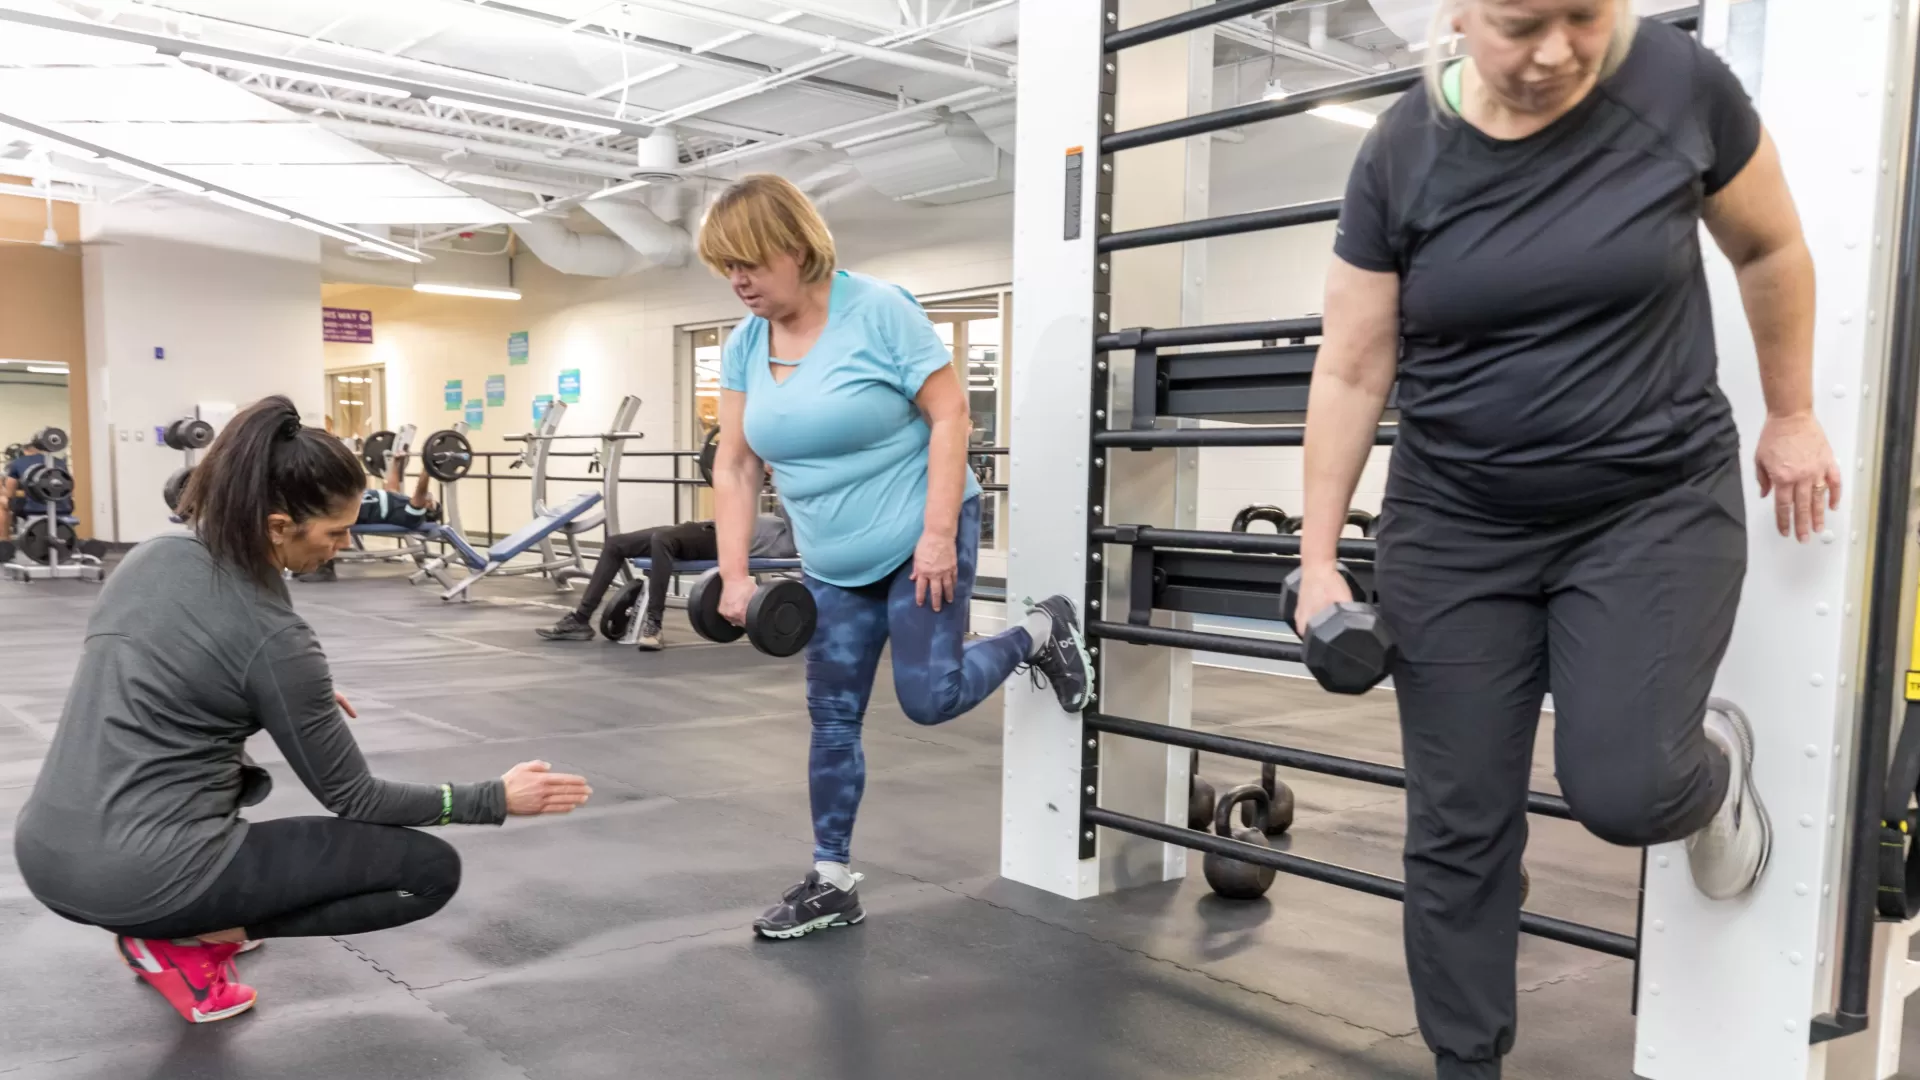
1625	25
759	216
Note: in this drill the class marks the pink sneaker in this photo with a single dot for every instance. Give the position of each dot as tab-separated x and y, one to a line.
197	980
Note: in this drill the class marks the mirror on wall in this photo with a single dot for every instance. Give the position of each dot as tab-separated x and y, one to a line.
356	402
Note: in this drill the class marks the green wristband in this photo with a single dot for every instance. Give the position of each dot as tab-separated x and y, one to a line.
446	804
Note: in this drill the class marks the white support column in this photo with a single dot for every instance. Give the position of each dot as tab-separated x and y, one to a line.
1057	404
1727	989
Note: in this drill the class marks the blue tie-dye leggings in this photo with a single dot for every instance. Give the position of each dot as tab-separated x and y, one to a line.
937	673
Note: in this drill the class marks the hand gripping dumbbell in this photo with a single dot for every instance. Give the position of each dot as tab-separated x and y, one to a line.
780	617
1347	645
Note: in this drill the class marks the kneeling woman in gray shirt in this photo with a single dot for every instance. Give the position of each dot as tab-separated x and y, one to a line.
134	823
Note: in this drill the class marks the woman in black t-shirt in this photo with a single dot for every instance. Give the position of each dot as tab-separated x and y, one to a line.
1519	247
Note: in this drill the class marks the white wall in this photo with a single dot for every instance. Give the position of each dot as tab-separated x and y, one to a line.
234	302
29	403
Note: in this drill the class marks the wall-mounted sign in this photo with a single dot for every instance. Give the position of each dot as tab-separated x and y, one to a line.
517	347
540	403
496	391
476	414
346	324
454	395
570	386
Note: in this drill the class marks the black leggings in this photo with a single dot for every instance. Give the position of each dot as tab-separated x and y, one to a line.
318	877
691	541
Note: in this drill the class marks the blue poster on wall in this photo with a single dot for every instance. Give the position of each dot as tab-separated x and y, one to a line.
455	396
570	386
476	414
517	347
540	403
496	391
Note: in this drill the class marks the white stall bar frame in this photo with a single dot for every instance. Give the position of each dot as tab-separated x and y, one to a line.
1728	989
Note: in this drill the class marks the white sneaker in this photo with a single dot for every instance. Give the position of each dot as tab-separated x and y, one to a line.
1729	854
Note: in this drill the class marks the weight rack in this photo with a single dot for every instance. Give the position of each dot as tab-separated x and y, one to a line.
1230	574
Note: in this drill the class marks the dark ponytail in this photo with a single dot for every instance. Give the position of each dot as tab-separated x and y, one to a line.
266	462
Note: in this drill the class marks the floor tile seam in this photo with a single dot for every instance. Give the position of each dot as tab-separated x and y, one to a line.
730	928
1599	965
478	1038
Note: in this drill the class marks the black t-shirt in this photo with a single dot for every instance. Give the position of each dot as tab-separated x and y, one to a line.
1558	337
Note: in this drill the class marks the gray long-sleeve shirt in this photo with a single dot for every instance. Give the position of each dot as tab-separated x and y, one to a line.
137	807
773	535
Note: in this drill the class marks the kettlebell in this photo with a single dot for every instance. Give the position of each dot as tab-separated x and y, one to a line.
1199	797
1230	877
1280	802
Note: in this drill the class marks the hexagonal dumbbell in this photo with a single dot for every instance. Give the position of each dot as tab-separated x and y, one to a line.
1347	646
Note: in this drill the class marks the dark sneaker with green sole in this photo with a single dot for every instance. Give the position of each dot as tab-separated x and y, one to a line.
814	904
1063	660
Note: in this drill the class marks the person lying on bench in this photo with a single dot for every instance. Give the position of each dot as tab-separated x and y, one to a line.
382	506
691	541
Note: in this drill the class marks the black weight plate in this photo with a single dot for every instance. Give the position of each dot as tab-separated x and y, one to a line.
617	617
48	483
375	451
68	539
54	439
709	450
447	456
95	548
176	487
781	617
196	434
703	610
36	541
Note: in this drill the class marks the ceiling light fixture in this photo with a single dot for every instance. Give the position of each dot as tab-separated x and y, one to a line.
519	114
47	370
290	73
462	290
248	207
1344	114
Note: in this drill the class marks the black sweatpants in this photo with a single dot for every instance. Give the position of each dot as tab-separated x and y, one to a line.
319	877
1623	615
689	541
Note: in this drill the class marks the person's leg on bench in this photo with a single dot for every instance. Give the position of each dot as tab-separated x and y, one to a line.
691	541
577	625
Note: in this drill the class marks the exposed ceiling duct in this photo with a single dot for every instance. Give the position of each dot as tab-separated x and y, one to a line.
996	123
656	241
946	157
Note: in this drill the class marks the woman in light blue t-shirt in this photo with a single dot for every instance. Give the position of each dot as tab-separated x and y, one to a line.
839	382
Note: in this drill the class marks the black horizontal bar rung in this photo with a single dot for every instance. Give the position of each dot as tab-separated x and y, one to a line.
1542	926
1211	15
1214	334
1369	772
1258	648
1278	217
1343	93
1246	543
1225	436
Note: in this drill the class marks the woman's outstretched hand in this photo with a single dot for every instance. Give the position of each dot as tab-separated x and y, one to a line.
534	788
1796	466
936	570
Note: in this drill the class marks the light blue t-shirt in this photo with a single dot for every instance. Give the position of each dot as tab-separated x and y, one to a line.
847	444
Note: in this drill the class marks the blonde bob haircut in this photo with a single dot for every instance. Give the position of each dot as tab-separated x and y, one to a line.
759	216
1625	24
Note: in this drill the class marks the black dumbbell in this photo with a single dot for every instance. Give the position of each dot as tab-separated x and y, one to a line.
1227	876
1348	648
188	433
780	617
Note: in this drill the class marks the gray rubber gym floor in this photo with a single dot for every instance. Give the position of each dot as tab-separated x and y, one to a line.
615	943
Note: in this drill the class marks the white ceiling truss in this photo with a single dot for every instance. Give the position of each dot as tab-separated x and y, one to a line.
531	108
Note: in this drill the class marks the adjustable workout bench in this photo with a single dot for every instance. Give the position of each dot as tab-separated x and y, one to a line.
414	544
519	543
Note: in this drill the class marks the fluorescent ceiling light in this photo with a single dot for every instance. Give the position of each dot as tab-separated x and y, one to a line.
1273	91
48	370
617	189
462	290
140	172
290	73
884	133
327	230
1343	114
496	110
244	206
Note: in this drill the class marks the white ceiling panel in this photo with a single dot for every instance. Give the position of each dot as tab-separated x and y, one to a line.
146	92
275	182
33	46
286	142
465	210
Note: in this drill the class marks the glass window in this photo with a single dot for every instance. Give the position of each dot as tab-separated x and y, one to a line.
356	402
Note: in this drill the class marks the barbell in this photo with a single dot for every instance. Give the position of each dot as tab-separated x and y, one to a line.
188	433
52	439
446	455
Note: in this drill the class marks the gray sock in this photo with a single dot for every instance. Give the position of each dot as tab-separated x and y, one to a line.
1039	627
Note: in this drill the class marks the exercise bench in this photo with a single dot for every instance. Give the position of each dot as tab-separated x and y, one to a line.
521	541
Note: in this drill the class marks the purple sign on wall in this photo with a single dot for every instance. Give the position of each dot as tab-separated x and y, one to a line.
346	324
